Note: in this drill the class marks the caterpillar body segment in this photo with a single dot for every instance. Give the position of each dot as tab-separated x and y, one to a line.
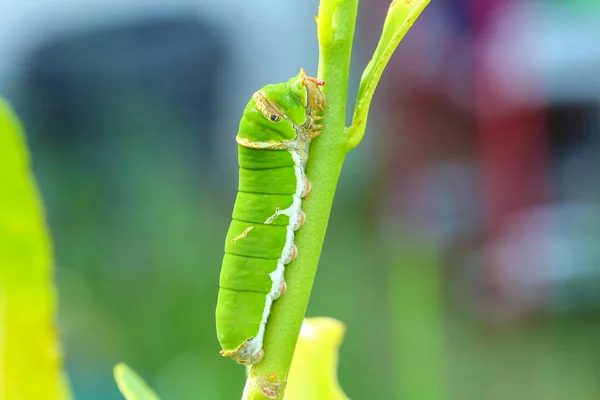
275	131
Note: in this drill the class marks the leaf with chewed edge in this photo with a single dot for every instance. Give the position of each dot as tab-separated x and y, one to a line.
132	385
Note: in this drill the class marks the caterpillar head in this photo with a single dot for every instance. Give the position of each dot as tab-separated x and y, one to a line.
308	91
294	100
278	110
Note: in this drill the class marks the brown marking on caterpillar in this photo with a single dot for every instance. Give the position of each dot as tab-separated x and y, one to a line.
242	235
283	288
270	145
314	134
302	218
307	188
270	386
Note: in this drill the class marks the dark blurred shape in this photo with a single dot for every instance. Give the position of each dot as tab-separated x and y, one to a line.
574	133
164	68
571	125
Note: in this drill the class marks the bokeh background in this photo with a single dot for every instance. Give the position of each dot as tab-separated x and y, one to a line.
463	249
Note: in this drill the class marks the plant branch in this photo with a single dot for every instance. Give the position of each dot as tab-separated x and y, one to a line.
335	25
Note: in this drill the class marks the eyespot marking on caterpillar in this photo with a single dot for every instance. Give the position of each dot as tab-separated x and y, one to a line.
270	110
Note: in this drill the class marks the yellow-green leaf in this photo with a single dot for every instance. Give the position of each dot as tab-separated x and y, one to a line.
30	356
313	374
400	17
132	385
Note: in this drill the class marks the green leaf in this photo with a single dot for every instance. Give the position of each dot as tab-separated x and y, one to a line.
132	385
313	374
30	356
400	17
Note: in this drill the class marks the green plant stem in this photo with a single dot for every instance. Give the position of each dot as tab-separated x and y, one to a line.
336	23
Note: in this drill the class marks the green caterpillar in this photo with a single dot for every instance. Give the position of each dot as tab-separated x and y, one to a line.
275	130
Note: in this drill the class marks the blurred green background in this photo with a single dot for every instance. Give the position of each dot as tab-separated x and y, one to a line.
462	268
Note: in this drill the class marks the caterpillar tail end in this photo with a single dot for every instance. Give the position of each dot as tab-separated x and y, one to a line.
244	354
